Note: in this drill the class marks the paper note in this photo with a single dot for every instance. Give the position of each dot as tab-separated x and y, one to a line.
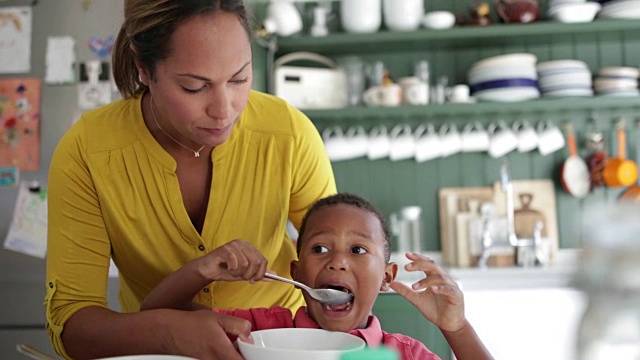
60	58
15	40
28	230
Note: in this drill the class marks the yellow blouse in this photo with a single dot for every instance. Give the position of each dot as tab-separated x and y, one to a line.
113	193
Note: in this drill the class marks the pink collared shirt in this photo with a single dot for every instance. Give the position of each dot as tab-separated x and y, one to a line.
279	317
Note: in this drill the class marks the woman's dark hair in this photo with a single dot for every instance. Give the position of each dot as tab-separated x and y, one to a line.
147	29
353	200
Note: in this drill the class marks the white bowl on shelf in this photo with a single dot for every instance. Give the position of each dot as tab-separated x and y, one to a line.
439	20
574	12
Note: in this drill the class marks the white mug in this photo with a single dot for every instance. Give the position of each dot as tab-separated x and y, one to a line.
458	93
550	138
357	140
414	91
450	140
527	135
503	139
383	95
361	16
428	145
402	15
403	144
335	143
379	143
475	138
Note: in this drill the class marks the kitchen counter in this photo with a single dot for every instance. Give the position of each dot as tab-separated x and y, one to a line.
558	275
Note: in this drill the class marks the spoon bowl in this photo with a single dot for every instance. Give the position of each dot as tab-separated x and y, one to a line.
325	296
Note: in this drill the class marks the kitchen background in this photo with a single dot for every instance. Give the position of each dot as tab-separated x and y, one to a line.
391	185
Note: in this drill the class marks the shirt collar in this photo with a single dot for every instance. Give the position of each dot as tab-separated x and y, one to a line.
372	334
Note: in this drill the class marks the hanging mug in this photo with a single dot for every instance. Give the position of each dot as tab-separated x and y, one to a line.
428	144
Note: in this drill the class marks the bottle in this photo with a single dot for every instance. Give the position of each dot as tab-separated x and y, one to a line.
609	275
422	71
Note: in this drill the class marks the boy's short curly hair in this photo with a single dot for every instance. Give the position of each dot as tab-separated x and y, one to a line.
348	199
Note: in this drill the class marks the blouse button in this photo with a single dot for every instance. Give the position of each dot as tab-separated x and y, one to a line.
51	285
206	290
201	247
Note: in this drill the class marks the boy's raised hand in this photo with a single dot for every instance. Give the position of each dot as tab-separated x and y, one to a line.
437	296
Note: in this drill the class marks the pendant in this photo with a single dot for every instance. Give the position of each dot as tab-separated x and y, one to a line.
196	153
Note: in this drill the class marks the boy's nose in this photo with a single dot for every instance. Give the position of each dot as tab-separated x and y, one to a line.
339	263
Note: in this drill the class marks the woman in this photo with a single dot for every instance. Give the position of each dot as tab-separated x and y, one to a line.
188	161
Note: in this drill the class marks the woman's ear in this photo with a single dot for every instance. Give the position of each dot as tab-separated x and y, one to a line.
390	273
143	74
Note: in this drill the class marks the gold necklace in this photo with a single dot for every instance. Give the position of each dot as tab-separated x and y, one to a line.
195	153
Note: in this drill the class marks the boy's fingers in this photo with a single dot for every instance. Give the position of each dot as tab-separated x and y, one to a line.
404	291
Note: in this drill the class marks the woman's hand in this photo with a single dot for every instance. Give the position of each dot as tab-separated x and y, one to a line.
233	261
203	334
441	302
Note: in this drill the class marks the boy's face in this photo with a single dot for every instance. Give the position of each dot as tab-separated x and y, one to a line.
343	248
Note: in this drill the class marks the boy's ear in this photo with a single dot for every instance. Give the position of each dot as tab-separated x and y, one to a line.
390	273
293	269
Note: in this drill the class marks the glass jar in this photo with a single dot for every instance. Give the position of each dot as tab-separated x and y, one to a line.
609	274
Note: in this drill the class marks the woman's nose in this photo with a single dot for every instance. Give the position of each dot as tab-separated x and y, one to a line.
218	107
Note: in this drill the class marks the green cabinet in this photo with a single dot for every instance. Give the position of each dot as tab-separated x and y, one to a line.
391	185
397	315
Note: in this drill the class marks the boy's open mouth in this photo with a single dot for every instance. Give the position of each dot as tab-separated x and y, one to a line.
340	307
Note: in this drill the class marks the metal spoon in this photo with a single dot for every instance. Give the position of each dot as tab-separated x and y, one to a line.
326	296
31	352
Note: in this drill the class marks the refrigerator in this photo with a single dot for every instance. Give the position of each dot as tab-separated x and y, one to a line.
22	277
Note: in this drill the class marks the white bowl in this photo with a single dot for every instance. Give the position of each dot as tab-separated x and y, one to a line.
296	344
574	12
148	357
438	20
514	60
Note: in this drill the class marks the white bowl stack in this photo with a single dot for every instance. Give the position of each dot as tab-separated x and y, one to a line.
620	9
564	78
505	78
617	81
573	11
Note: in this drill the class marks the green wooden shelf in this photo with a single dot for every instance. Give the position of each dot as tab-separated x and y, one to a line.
559	105
500	34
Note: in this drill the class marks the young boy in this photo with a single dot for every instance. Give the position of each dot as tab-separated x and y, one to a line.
344	244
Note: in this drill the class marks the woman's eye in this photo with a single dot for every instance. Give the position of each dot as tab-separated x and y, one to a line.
192	91
240	81
319	249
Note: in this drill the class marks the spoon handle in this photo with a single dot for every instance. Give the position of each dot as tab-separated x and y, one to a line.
292	282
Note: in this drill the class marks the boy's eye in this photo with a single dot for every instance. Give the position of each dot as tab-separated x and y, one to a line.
359	250
319	249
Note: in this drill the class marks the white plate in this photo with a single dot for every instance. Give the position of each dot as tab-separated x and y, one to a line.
620	71
483	74
561	65
516	59
508	94
568	93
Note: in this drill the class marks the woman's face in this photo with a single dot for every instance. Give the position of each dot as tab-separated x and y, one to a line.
201	89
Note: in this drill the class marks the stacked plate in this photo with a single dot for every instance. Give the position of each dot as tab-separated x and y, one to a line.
620	9
505	78
617	81
564	78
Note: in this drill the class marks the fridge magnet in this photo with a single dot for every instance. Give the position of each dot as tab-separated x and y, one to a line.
15	39
28	230
9	176
19	123
60	60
